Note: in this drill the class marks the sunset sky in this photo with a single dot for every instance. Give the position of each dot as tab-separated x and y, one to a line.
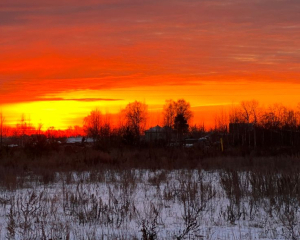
59	59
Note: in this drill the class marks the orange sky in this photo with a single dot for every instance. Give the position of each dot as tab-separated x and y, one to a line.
61	59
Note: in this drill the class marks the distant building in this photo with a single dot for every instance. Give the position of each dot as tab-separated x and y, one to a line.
156	133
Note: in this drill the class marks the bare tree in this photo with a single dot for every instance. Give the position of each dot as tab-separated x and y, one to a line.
269	120
176	116
184	108
106	129
250	111
169	113
290	119
274	116
24	128
172	109
136	114
235	114
221	121
93	123
50	133
245	112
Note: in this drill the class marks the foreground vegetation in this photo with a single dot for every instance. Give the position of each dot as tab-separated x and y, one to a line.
17	164
147	193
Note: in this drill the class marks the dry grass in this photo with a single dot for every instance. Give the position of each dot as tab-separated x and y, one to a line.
268	184
18	164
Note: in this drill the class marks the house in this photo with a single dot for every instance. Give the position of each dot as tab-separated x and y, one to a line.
156	133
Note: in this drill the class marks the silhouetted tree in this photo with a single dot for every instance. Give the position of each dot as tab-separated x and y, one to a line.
172	109
246	112
250	111
50	133
169	113
270	121
136	114
176	115
273	117
235	114
290	119
92	124
127	134
180	125
105	129
184	108
24	129
221	121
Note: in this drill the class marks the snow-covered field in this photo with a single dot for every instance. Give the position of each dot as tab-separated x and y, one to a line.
146	204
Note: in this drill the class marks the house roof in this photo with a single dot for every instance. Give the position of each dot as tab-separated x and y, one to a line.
158	129
155	129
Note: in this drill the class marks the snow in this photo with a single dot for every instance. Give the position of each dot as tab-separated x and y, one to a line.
118	204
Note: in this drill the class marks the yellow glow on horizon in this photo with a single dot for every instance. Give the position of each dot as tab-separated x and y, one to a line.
206	98
60	114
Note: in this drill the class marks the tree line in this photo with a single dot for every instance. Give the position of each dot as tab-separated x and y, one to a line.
176	116
276	116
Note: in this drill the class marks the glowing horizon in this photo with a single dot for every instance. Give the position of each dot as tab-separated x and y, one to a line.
61	59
